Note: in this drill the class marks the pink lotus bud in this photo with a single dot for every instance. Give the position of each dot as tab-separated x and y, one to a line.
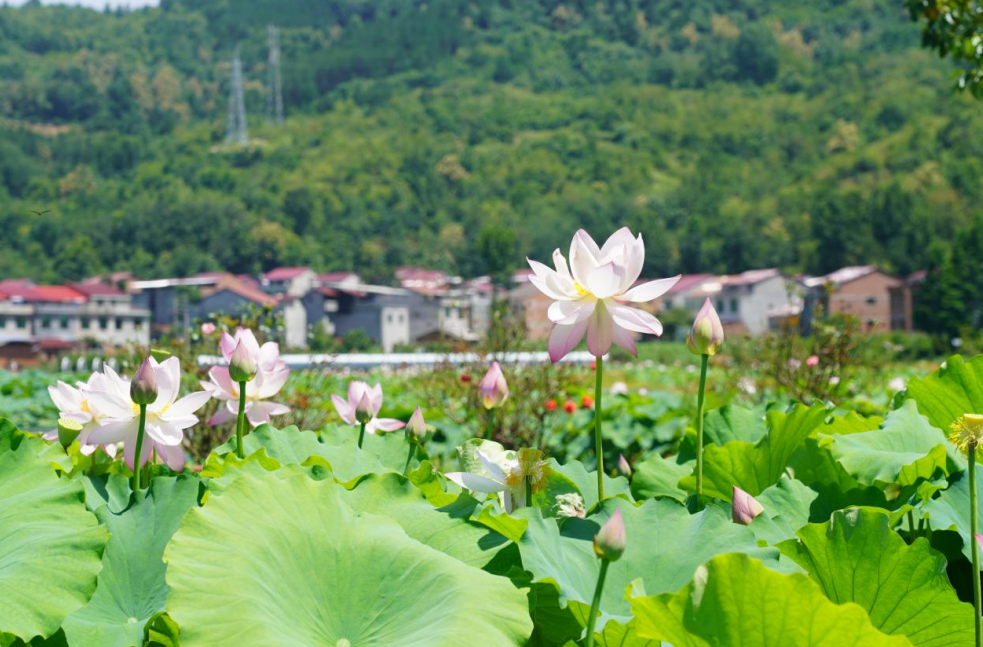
416	425
363	410
813	360
242	366
745	507
707	335
494	389
623	467
207	328
609	542
143	388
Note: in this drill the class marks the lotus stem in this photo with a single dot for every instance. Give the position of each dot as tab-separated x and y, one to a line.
490	432
361	435
705	359
592	618
911	525
409	455
241	421
528	491
141	429
974	544
598	439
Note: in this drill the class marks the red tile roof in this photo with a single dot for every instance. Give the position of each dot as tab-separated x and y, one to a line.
95	289
687	282
284	273
751	277
335	277
235	286
28	291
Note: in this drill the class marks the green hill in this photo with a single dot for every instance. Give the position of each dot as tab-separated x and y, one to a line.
733	133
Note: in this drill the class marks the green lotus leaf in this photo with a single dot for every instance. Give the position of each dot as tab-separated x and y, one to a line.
665	546
851	422
586	482
447	529
906	449
131	588
949	392
721	426
735	600
389	448
50	544
659	477
754	467
857	557
951	510
279	560
786	509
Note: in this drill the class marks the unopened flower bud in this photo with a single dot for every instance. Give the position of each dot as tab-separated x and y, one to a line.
143	388
417	426
242	365
745	507
609	542
363	410
624	468
494	389
68	431
707	335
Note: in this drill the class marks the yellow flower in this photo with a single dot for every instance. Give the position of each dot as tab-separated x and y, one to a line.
967	430
529	463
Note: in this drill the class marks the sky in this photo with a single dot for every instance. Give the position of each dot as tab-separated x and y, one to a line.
95	4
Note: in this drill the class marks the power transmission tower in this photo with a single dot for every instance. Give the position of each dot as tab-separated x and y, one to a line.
235	130
274	87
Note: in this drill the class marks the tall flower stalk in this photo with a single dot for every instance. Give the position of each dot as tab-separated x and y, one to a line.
704	339
609	545
967	435
415	430
143	391
242	370
591	297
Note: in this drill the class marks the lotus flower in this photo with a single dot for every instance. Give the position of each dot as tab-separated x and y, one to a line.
73	403
707	335
509	479
493	387
167	416
271	375
745	507
624	468
417	426
207	328
812	361
371	398
609	542
590	295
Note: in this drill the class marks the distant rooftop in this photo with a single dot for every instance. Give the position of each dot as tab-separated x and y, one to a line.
285	273
842	275
688	282
751	277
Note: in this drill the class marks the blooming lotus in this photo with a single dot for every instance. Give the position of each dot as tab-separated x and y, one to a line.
73	403
271	375
371	400
167	416
509	478
591	294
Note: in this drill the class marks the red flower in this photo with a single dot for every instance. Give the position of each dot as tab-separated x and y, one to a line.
569	406
465	378
587	402
551	405
593	364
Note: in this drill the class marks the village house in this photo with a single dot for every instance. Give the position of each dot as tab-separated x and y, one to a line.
881	301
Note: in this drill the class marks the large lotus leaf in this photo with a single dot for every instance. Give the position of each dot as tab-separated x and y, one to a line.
291	446
754	467
389	448
665	546
724	425
658	476
586	482
50	545
857	557
904	450
734	601
131	585
281	561
951	510
448	529
949	392
786	509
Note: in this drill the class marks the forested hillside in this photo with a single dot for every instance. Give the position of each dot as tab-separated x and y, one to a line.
807	134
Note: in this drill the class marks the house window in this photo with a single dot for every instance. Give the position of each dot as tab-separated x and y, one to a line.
119	324
46	322
447	313
389	318
103	323
21	322
402	318
3	322
733	305
64	322
871	301
85	323
720	305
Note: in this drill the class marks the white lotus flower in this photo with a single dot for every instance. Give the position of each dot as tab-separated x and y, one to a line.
509	478
167	416
271	374
73	403
366	401
591	294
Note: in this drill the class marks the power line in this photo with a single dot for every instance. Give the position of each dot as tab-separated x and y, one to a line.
274	86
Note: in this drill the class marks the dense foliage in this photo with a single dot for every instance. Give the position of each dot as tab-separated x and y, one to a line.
807	135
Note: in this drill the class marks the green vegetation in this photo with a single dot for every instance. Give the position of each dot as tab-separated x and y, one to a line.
807	135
